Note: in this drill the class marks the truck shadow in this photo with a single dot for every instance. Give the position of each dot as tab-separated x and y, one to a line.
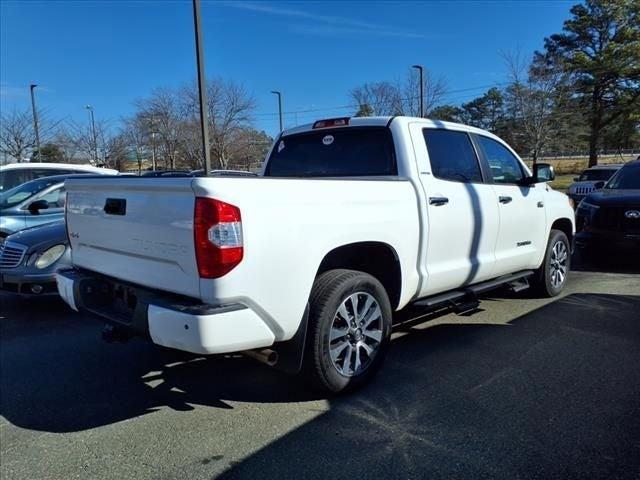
606	262
553	394
555	386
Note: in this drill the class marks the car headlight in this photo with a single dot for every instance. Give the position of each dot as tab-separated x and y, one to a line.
50	256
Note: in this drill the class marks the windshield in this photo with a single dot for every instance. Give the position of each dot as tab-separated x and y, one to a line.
627	178
596	175
345	152
19	194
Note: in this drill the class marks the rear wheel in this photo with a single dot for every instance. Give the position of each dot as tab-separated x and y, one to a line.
551	277
349	330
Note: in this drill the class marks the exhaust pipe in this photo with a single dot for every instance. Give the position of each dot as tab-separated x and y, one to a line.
264	355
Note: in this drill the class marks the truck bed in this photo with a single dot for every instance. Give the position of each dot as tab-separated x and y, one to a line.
288	226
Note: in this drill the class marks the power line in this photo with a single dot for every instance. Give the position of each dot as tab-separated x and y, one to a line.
355	105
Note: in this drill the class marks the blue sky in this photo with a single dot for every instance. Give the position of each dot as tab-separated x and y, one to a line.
109	53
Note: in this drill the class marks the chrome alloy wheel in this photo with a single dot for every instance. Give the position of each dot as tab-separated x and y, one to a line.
558	264
356	333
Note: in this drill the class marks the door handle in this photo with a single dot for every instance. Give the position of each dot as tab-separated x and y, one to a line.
437	201
504	199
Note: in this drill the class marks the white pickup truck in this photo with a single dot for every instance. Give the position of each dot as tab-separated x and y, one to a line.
303	265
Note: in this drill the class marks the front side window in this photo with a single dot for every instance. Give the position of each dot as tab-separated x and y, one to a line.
55	198
452	156
505	167
19	194
48	172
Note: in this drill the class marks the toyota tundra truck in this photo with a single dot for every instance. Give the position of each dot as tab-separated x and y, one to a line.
304	265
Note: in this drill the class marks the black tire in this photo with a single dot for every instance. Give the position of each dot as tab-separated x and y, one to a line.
544	282
330	291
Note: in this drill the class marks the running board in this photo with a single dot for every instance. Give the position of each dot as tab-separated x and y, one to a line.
456	297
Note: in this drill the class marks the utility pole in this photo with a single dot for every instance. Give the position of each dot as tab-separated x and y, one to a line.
93	130
35	121
202	88
420	69
279	94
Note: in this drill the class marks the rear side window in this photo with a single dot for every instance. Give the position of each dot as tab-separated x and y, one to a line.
345	152
505	167
452	156
13	178
48	172
596	175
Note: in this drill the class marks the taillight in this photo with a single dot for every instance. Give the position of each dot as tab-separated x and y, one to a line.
332	122
217	230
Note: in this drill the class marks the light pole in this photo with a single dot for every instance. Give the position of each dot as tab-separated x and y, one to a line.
279	94
93	130
153	151
35	120
202	86
420	69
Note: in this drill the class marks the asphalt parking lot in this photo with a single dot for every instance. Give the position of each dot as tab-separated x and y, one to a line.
524	388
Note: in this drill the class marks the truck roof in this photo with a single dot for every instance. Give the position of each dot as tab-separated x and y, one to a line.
384	121
607	166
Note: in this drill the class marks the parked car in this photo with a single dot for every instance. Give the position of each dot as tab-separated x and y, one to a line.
302	267
33	203
15	174
29	259
584	184
608	219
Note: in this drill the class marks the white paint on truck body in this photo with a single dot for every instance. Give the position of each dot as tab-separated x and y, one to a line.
290	224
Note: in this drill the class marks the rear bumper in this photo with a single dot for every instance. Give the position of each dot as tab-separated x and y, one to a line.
166	319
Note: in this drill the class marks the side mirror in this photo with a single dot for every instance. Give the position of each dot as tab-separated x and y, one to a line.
35	207
599	185
543	172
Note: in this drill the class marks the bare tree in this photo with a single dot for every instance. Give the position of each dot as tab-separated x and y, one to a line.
534	91
134	133
230	108
378	98
67	144
17	138
191	145
250	149
84	144
116	151
434	91
160	115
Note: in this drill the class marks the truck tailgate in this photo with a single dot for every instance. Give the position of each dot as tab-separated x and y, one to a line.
135	229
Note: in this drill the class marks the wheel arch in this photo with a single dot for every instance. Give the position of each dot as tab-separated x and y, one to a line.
378	259
564	225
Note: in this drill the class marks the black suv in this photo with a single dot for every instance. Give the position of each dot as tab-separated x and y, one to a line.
609	218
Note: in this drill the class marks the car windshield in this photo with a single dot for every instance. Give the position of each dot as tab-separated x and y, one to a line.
627	178
596	175
19	194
